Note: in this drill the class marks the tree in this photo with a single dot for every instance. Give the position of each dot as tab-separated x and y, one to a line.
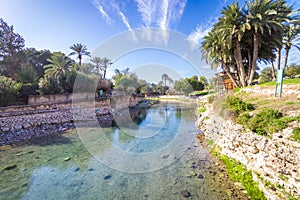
9	91
79	50
243	37
292	70
292	32
97	64
105	62
266	75
11	46
164	78
59	64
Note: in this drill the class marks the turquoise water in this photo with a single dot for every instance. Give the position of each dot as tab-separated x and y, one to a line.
153	156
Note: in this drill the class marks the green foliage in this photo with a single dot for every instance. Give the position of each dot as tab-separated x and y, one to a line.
11	46
211	98
237	105
266	75
9	91
283	177
27	74
243	119
285	81
183	86
239	173
292	71
296	134
28	89
48	86
266	121
201	109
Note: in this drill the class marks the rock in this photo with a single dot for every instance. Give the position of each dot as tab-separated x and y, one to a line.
185	193
90	169
76	169
107	177
17	127
5	129
165	156
10	167
26	125
67	159
228	192
200	176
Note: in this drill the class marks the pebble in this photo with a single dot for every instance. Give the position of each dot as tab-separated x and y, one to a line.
107	177
185	193
200	176
165	156
67	159
10	167
90	169
76	169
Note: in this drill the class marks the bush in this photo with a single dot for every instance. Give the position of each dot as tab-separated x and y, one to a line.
9	91
237	105
266	121
296	134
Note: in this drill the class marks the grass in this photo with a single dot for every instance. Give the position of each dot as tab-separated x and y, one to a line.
285	81
239	173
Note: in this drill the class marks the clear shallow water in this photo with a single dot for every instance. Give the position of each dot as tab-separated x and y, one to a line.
85	163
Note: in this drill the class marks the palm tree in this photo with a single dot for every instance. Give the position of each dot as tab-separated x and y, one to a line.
80	50
292	32
97	62
59	65
164	78
105	62
265	17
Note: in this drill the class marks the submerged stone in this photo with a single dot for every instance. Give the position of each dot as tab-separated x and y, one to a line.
107	177
67	159
185	193
10	167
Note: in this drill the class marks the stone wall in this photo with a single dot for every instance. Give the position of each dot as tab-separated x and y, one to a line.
20	122
275	162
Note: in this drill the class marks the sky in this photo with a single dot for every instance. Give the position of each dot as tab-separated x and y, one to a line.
133	33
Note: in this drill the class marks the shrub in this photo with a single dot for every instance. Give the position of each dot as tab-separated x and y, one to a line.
211	98
266	121
9	91
237	105
296	134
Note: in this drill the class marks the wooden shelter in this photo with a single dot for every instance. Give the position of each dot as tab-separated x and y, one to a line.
224	83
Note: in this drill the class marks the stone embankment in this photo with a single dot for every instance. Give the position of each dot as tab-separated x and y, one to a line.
274	162
20	124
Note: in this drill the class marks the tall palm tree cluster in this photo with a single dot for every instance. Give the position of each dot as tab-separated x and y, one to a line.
246	35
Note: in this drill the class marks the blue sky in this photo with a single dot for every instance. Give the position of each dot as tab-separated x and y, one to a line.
57	24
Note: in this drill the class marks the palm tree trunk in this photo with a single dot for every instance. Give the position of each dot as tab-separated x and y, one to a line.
273	71
278	58
254	58
239	61
286	58
104	73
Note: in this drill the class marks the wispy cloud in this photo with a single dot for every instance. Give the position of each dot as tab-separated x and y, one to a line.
162	14
102	11
200	32
202	29
108	11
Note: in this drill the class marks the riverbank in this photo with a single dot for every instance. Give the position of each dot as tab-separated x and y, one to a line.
22	124
273	161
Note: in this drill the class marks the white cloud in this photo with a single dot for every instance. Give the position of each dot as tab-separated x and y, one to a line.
103	12
196	36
